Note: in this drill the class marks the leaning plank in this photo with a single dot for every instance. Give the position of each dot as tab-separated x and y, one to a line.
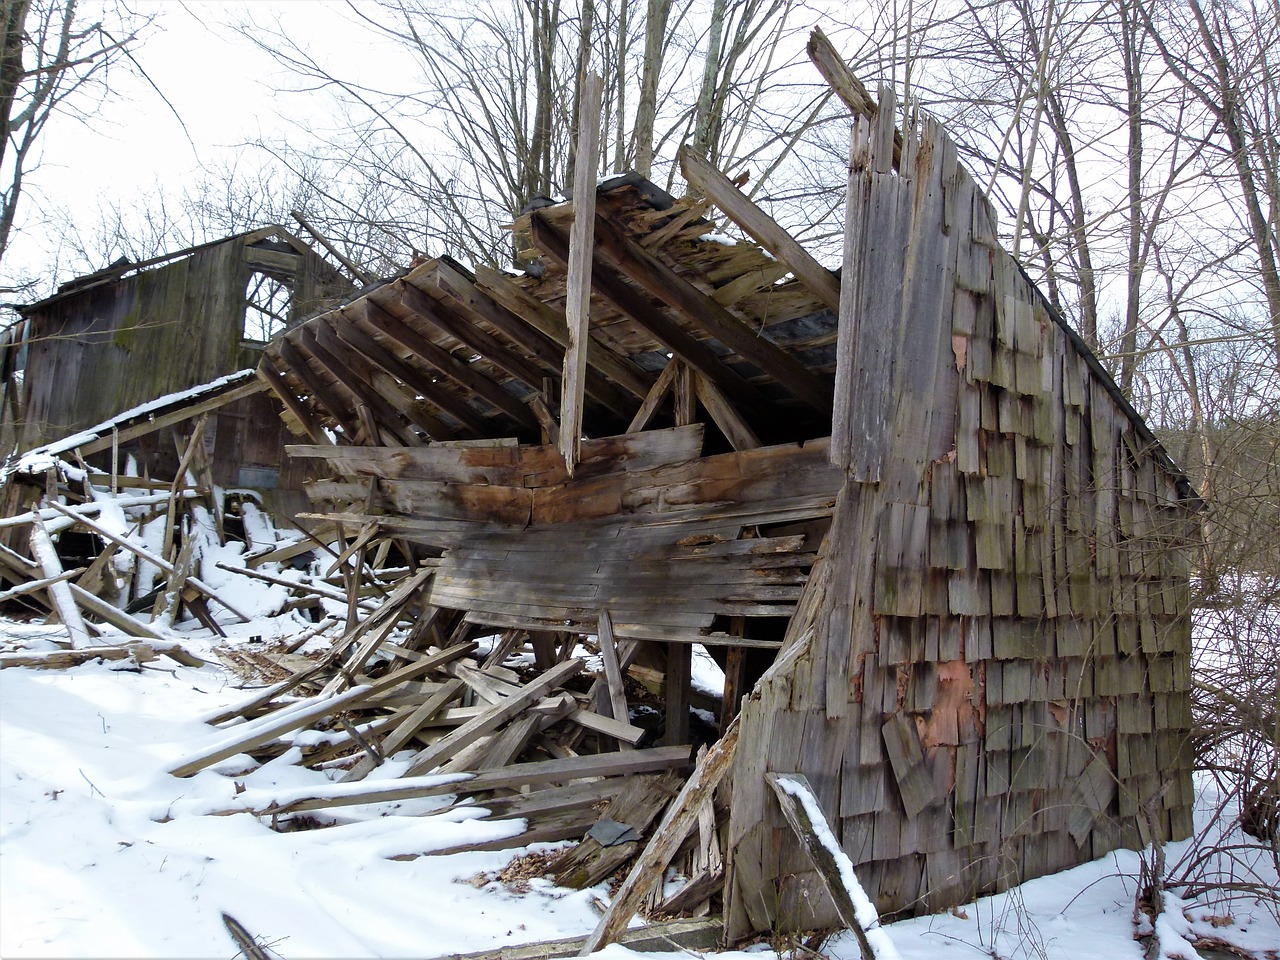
62	659
35	585
845	84
691	934
60	596
493	718
667	838
150	557
801	809
763	228
578	282
292	718
612	668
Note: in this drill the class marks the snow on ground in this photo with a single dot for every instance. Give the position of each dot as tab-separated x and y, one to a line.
102	854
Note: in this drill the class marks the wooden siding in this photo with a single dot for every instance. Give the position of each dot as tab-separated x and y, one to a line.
997	681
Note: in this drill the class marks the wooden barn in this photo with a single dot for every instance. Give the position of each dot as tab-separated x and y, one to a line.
133	333
941	560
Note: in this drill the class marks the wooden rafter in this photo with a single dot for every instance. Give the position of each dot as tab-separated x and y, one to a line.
540	316
761	227
342	370
321	391
449	365
356	339
661	281
608	282
419	303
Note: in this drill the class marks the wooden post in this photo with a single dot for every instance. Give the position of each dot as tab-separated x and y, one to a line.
802	812
675	688
578	283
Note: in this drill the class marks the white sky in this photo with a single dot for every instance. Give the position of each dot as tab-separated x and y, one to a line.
217	81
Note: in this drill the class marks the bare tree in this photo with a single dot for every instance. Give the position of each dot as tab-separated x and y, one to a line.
55	59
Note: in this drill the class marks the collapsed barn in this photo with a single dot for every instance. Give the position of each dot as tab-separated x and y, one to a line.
940	558
940	561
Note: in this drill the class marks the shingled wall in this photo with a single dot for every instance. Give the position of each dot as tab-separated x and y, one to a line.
994	685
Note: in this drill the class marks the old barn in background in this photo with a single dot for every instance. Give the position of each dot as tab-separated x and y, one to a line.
125	336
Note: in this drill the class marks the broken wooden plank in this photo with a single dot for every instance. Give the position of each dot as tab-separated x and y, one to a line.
150	557
804	814
760	226
667	838
578	282
60	593
64	659
493	718
257	732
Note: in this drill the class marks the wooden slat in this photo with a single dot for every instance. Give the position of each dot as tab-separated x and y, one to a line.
606	281
578	280
760	226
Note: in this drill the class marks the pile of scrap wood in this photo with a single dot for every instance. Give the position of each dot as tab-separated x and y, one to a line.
512	729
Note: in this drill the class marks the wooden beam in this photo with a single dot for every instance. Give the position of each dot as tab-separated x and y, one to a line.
440	316
654	398
360	275
270	727
804	815
578	280
606	281
414	380
322	393
727	419
449	365
760	227
550	323
284	393
845	84
491	719
617	698
444	399
169	418
477	305
147	555
665	840
676	683
661	281
60	594
388	424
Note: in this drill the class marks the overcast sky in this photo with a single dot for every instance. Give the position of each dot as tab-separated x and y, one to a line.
226	91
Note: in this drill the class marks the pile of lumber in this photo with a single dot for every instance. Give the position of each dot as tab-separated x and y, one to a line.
514	724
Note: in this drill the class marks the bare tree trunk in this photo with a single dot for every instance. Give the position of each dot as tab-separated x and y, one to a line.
1133	81
703	131
647	106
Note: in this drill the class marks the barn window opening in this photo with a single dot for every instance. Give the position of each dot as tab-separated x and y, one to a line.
268	299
